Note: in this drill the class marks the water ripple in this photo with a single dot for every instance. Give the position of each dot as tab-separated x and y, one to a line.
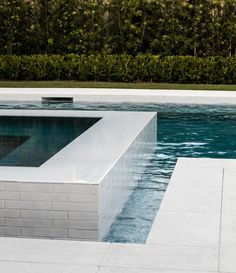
183	131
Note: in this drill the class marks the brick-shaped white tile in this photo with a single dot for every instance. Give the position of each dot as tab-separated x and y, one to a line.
85	225
44	232
37	205
67	206
44	214
40	196
19	222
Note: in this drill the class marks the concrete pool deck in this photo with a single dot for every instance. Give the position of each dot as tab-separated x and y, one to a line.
120	95
194	231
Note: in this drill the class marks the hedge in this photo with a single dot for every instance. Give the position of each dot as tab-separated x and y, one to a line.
120	68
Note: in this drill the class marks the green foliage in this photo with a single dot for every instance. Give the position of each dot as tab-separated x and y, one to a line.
165	27
120	68
19	28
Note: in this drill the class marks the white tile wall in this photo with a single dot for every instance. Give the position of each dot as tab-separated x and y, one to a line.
74	210
118	184
36	210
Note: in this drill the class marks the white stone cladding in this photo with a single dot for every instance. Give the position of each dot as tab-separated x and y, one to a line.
49	210
76	210
119	183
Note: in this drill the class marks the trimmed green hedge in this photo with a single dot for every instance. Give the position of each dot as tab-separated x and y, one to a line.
120	68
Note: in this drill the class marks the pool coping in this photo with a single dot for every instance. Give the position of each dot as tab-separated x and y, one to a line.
69	167
120	95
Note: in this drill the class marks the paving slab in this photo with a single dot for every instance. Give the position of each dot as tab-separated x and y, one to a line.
143	270
229	191
205	174
228	251
25	267
162	257
229	200
52	251
191	209
194	199
186	229
194	231
228	225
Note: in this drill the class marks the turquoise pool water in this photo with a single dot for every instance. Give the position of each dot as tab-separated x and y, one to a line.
30	141
183	131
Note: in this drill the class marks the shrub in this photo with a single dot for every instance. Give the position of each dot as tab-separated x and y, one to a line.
122	68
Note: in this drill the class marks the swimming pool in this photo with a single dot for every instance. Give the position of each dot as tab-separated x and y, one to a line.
29	141
183	130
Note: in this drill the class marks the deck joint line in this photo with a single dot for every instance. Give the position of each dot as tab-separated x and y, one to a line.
220	224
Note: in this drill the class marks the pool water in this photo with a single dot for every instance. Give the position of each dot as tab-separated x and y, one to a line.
30	141
183	131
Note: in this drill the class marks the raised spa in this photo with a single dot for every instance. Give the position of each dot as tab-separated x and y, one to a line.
67	174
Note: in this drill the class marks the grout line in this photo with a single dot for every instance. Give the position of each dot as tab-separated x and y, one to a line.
162	270
100	263
221	211
98	267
